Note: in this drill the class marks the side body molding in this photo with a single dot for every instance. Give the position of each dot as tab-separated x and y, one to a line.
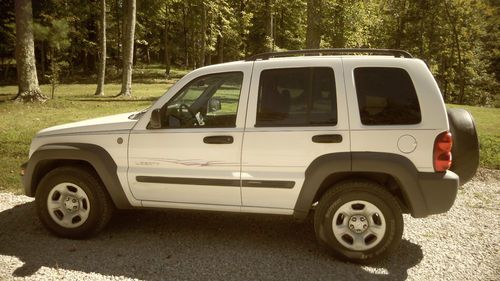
341	165
95	155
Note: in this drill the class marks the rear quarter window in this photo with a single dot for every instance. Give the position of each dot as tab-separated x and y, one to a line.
386	96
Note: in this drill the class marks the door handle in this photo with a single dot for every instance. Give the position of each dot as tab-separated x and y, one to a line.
335	138
218	139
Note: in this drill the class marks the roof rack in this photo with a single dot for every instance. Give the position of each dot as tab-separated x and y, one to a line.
336	51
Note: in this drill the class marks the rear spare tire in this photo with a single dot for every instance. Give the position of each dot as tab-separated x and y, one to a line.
465	149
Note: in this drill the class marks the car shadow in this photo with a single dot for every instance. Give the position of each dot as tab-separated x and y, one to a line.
185	245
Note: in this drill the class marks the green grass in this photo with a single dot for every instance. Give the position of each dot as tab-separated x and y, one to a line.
72	102
488	127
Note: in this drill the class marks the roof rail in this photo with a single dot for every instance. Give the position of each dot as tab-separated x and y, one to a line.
336	51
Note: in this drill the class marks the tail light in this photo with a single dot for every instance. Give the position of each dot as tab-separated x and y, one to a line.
442	152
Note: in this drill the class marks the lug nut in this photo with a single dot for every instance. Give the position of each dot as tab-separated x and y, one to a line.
74	200
365	226
362	219
353	219
351	226
74	207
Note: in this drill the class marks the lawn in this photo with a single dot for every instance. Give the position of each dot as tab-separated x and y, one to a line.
488	127
73	102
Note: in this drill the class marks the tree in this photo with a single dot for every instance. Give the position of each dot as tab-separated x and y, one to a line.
128	47
102	51
29	91
166	45
55	36
313	32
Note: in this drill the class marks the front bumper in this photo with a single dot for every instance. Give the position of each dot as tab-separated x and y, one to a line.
24	179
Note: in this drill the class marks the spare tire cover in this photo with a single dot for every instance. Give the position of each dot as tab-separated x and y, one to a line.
465	149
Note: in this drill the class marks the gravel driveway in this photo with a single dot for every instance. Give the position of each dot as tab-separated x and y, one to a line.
462	244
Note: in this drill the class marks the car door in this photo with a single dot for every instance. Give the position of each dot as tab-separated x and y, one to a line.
297	112
193	159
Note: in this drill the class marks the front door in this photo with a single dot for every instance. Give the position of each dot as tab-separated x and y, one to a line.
194	158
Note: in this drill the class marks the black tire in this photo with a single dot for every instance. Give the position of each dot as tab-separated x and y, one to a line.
99	207
350	192
465	149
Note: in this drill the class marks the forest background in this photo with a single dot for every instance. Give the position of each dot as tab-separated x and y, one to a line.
458	39
79	59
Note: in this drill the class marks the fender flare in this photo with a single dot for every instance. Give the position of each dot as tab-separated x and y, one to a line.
399	167
95	155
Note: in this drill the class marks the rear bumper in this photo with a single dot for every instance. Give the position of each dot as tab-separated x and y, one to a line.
439	191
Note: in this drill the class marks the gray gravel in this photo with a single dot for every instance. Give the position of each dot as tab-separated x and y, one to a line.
462	244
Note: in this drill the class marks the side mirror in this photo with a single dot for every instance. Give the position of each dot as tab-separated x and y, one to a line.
214	105
155	121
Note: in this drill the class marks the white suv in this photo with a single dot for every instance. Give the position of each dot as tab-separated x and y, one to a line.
359	139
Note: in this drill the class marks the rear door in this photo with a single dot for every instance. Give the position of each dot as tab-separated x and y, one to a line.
296	112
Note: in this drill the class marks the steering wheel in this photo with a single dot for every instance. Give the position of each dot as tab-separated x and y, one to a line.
193	115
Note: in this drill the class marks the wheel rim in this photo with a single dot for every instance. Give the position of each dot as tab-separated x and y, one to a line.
68	205
359	225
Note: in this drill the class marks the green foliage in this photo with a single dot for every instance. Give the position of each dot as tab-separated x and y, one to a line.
55	36
458	39
7	30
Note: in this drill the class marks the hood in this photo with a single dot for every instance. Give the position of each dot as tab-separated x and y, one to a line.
117	122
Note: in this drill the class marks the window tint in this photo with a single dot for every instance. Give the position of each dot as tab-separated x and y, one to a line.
297	97
386	96
209	101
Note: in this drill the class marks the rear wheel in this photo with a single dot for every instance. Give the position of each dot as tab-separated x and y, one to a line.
73	203
359	221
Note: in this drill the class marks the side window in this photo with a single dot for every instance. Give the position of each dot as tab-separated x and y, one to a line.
297	97
209	101
386	96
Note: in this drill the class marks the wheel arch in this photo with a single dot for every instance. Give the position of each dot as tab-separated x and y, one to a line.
385	180
89	156
395	172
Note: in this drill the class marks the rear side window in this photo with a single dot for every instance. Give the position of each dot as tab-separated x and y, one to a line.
386	96
297	97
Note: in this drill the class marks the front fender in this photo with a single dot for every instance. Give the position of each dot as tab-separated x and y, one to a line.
95	155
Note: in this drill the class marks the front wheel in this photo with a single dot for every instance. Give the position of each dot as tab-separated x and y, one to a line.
73	203
359	221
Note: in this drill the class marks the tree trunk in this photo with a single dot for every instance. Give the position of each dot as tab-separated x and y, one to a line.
313	31
102	51
29	91
167	51
401	25
456	41
340	38
203	33
128	47
269	25
220	49
185	31
42	59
